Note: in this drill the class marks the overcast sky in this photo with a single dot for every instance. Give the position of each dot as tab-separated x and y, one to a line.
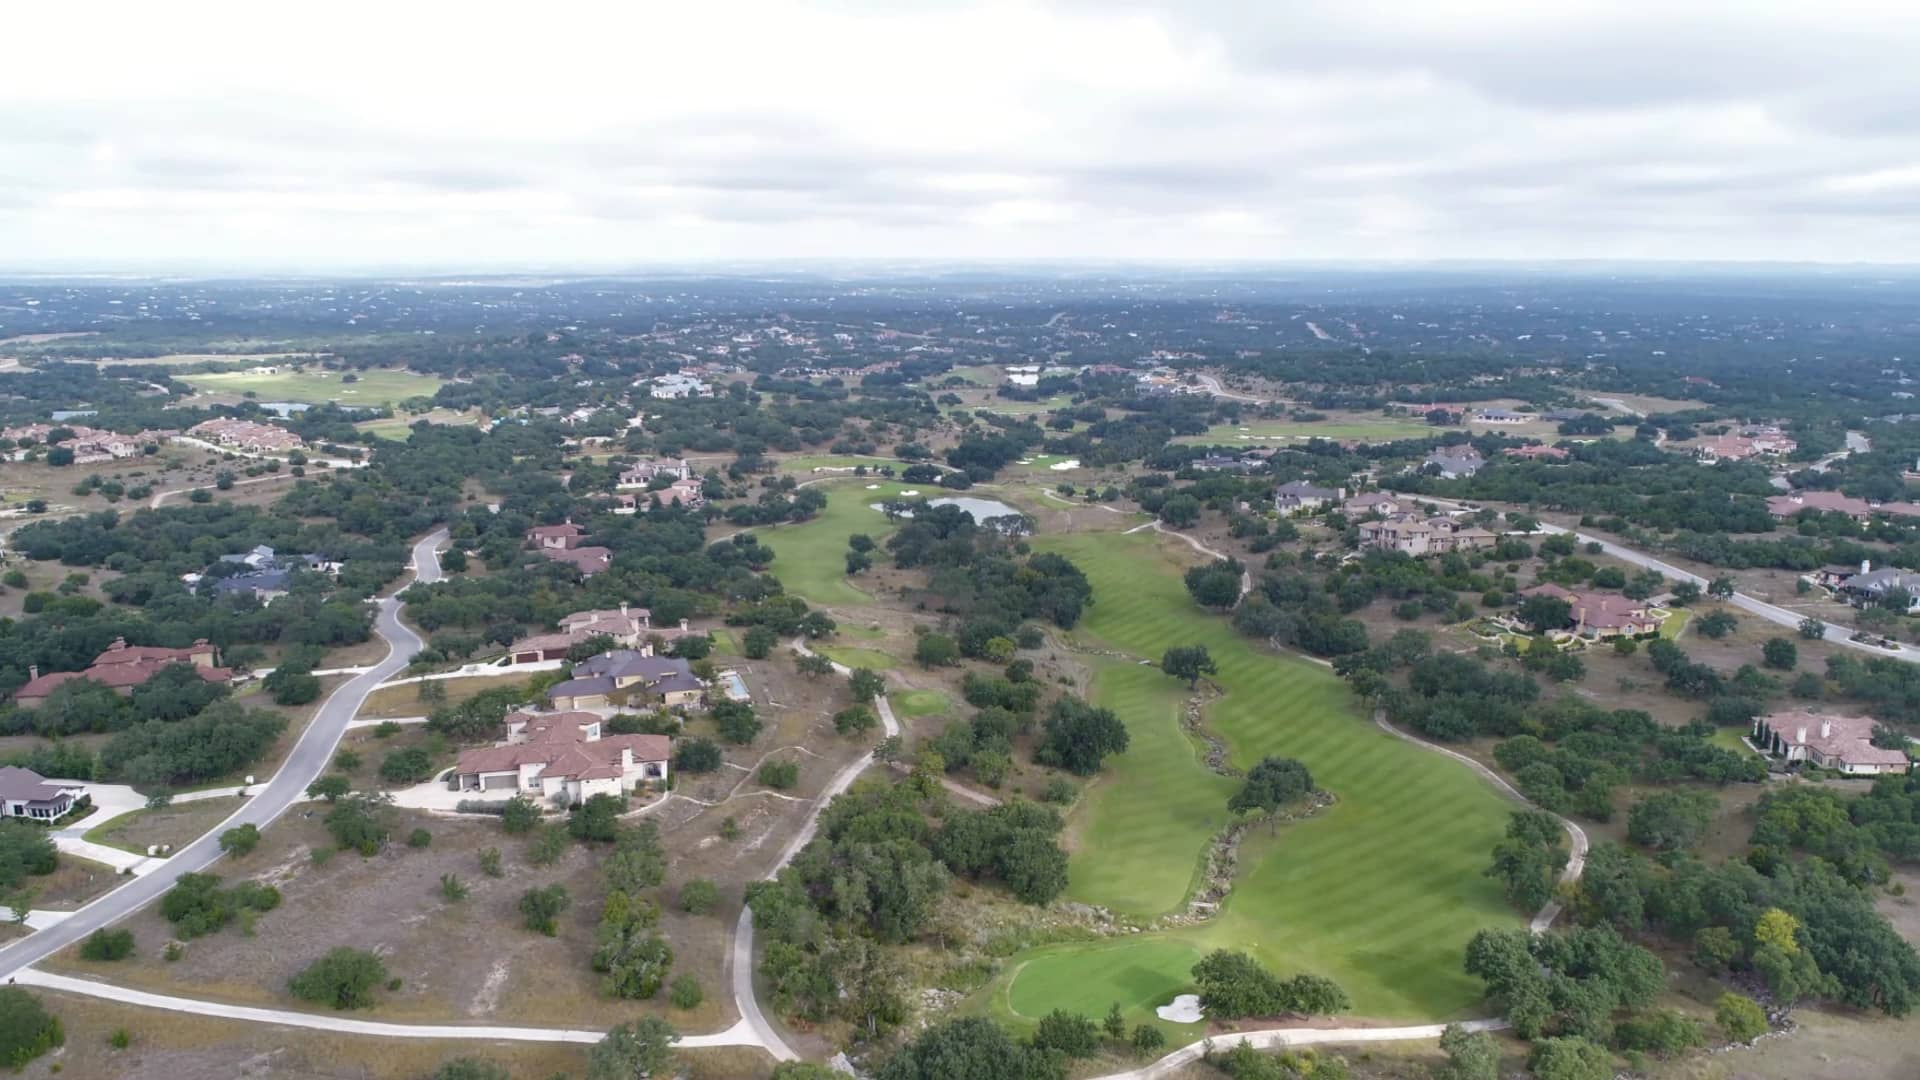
554	133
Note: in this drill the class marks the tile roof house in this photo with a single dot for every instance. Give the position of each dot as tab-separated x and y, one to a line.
563	757
1601	615
599	679
1455	462
1298	496
560	537
588	560
246	435
1537	452
26	794
1414	535
1841	743
121	668
628	626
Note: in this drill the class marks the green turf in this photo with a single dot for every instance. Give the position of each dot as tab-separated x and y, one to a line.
918	702
372	387
1381	892
1143	828
1675	622
810	558
806	463
1259	431
855	657
400	428
1075	977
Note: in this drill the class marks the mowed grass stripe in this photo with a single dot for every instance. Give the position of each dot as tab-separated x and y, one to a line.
1381	892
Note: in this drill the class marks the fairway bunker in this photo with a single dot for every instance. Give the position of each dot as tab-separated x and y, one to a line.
1183	1009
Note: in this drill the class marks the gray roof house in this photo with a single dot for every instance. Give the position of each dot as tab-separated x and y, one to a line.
262	585
1456	461
1297	496
626	670
1874	584
26	794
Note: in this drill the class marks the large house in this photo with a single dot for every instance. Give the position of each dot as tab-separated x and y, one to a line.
562	537
1373	502
1502	416
1601	615
627	673
563	757
1841	743
629	627
26	794
1300	497
1455	462
121	668
1415	535
89	445
1871	586
643	473
678	385
1537	452
246	435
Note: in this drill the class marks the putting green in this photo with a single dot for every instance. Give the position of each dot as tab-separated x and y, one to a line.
871	659
918	702
1088	978
1381	892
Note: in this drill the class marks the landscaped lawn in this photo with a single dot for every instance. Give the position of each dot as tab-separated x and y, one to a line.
371	388
1381	430
806	463
1676	621
856	657
918	702
399	428
810	558
1381	892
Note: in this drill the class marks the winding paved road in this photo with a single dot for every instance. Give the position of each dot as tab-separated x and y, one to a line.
307	760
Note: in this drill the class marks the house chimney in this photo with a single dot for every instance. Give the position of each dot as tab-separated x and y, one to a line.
623	609
1800	737
683	624
1866	565
1826	729
33	671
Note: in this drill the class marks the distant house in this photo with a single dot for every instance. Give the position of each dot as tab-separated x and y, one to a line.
561	537
26	794
121	668
588	560
1537	452
1502	416
1752	443
263	585
1233	463
1841	743
678	385
246	435
1456	462
1601	616
687	494
1833	502
628	673
642	473
564	757
1300	497
1413	535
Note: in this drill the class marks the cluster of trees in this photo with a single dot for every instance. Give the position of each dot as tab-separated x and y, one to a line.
1572	983
220	740
629	950
1293	610
198	905
874	876
1233	986
980	573
1529	860
1838	946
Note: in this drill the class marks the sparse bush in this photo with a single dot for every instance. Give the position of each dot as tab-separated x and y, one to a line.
685	993
343	979
699	896
105	945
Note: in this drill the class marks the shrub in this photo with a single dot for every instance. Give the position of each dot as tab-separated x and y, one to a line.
120	1039
697	756
549	842
1147	1039
1740	1017
780	774
699	896
598	819
411	765
27	1030
519	814
344	979
361	822
855	720
419	838
542	908
467	1068
240	839
452	889
330	787
106	945
685	993
490	862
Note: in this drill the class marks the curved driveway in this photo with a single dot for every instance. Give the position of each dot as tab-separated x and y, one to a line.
307	760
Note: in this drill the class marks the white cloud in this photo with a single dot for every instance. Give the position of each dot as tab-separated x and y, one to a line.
620	134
